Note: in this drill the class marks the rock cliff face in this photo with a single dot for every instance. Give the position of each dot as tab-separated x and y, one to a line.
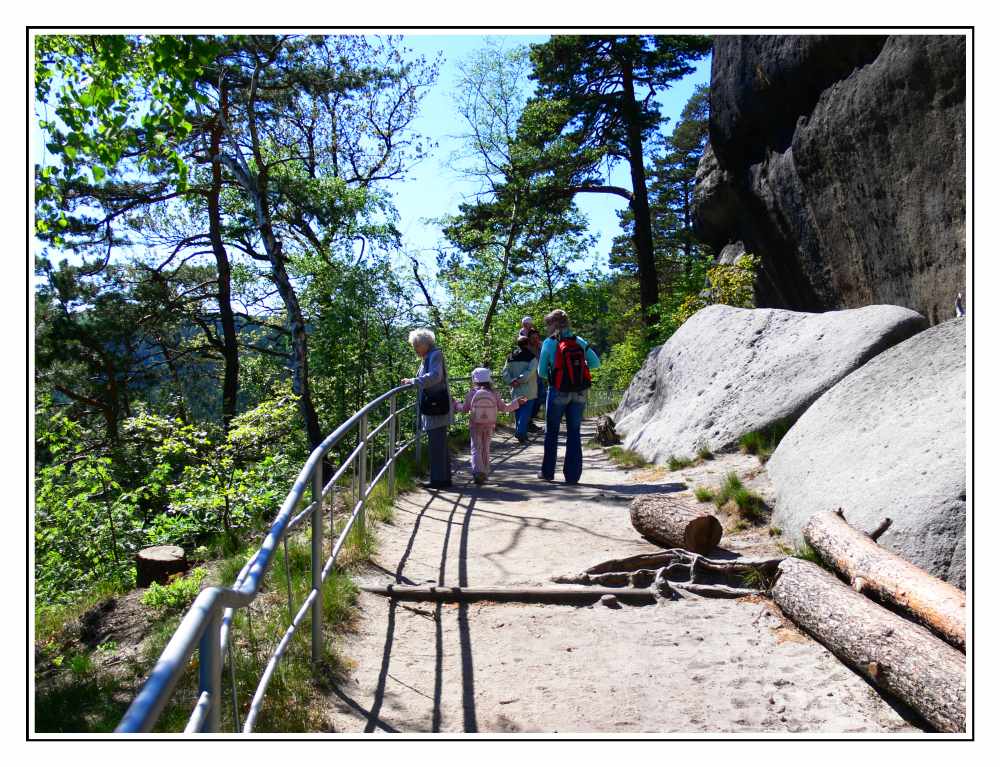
887	441
840	161
730	371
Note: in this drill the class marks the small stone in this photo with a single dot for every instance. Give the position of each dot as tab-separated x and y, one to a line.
610	600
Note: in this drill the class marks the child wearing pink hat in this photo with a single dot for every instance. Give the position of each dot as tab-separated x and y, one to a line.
482	404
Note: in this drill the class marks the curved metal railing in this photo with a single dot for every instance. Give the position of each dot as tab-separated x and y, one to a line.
207	625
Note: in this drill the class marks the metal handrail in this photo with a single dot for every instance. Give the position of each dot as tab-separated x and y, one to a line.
207	624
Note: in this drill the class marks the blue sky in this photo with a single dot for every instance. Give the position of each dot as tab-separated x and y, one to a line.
432	189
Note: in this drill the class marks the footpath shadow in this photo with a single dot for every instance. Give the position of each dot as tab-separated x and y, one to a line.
469	720
512	464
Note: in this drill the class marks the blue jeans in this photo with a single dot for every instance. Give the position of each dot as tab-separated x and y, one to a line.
522	416
573	405
536	404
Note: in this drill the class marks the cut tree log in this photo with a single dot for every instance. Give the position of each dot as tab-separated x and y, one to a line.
675	522
158	563
887	577
894	654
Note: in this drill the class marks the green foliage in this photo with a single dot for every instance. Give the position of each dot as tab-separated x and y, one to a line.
704	453
732	285
112	99
808	553
178	594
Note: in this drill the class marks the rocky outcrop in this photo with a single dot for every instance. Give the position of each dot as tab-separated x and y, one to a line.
840	161
887	441
728	371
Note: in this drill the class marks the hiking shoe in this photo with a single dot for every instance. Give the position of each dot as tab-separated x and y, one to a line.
534	427
542	476
479	478
522	438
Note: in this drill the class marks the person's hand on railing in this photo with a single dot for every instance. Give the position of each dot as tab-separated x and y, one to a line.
405	381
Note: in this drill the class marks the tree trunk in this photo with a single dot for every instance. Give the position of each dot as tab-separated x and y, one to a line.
885	576
642	230
230	348
674	522
508	245
257	189
894	654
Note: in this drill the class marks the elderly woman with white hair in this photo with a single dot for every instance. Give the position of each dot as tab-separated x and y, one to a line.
434	401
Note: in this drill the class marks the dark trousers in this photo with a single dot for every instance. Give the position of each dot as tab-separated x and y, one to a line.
437	448
537	404
522	416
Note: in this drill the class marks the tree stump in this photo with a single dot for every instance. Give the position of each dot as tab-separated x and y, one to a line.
606	434
158	563
894	654
879	573
674	522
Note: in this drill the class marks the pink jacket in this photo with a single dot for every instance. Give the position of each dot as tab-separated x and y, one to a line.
502	407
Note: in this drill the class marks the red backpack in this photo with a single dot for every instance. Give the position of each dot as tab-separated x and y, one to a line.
571	371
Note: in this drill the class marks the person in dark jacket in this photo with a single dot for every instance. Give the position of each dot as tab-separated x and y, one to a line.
520	374
432	377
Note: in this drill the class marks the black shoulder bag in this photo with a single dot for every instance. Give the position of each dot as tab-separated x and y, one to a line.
437	402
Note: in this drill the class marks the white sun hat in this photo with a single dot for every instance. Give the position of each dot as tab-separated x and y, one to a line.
481	375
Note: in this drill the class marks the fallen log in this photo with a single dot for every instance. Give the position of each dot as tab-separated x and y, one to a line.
895	655
158	563
542	594
885	576
673	521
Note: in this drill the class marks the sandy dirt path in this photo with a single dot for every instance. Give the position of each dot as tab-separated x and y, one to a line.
695	665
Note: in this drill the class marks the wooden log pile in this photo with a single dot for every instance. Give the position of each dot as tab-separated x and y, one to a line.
894	653
876	572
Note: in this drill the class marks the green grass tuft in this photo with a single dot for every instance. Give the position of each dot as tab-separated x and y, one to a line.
808	553
676	463
703	494
627	459
762	443
704	453
751	506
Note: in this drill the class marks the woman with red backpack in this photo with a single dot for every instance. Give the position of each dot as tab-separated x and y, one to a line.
565	363
482	404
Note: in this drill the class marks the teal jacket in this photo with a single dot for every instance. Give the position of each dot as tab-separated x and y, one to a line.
547	356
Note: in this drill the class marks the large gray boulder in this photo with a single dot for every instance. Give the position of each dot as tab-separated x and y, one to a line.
887	441
730	371
840	161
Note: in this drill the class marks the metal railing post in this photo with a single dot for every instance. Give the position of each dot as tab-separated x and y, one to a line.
317	563
391	480
363	467
210	670
416	434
